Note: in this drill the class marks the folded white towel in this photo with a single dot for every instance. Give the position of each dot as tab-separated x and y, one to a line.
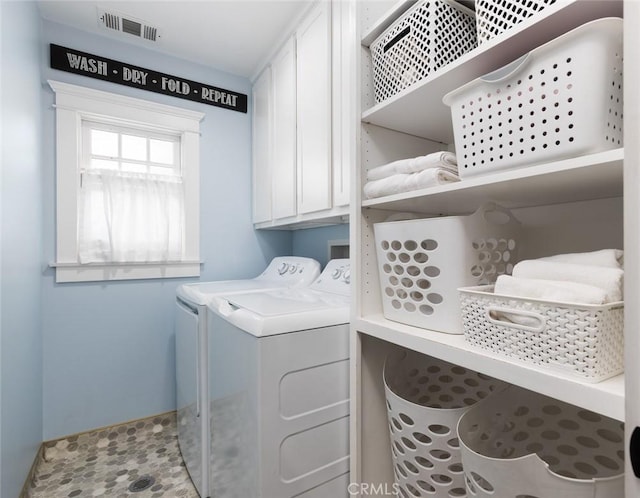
608	279
550	290
520	319
405	183
611	258
445	160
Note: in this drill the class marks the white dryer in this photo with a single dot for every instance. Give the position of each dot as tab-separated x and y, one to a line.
191	353
279	390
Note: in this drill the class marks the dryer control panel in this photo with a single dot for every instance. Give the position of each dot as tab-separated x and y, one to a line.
335	278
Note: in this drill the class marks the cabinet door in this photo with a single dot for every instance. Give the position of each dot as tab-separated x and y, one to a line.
262	147
283	70
343	99
314	110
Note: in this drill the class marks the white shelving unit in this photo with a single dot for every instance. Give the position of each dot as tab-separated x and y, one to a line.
554	195
605	397
419	110
596	176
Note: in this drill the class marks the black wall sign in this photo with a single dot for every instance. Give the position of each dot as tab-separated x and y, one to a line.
74	61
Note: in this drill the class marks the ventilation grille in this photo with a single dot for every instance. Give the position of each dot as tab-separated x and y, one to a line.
150	33
128	24
111	21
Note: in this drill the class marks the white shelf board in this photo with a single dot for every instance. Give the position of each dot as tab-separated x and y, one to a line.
402	112
595	176
606	397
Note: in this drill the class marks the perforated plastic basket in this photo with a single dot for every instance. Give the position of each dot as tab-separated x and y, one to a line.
522	444
422	263
426	37
580	341
495	16
563	99
425	399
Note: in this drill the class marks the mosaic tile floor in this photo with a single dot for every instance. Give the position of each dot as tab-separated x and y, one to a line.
106	462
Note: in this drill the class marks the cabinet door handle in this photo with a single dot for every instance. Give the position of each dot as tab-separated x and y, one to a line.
634	451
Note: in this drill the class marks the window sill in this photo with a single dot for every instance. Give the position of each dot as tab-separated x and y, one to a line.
96	272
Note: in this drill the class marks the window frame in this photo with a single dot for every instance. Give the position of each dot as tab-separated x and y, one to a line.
75	104
143	132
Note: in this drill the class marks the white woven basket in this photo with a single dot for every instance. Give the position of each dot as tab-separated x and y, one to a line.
496	16
563	99
422	263
580	341
523	444
425	399
429	35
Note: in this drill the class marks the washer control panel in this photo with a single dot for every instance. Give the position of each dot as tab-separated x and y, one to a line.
292	270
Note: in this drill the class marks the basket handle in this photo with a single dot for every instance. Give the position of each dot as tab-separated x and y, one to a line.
489	208
507	71
517	319
396	39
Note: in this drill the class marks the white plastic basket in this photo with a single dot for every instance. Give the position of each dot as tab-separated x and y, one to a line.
422	263
495	16
426	37
578	340
563	99
522	444
425	399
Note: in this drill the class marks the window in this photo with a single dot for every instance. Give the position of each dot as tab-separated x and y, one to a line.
127	187
131	198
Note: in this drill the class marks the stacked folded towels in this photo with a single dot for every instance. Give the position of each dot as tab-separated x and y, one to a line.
582	278
405	175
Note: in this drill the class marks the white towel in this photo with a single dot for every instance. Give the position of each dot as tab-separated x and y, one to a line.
407	182
550	290
445	160
608	279
611	258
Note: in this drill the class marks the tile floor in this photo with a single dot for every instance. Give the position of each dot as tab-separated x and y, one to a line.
106	462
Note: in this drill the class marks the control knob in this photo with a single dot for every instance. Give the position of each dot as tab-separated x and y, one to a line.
282	269
347	276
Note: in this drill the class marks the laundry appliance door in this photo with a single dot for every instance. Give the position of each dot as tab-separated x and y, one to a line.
191	425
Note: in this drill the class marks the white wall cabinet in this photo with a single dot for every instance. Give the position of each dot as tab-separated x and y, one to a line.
283	69
343	130
308	154
313	39
262	115
577	204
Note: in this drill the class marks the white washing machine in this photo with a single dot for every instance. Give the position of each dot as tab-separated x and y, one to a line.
191	353
279	390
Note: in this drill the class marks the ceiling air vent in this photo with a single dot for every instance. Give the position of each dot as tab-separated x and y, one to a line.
124	23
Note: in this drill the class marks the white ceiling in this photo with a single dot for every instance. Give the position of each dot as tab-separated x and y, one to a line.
232	35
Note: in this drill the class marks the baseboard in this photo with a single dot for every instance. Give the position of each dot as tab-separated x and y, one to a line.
24	493
106	427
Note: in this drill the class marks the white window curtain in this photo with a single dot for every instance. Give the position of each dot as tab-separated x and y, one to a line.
130	217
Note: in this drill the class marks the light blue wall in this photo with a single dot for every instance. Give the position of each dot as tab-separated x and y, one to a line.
21	247
109	348
314	242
